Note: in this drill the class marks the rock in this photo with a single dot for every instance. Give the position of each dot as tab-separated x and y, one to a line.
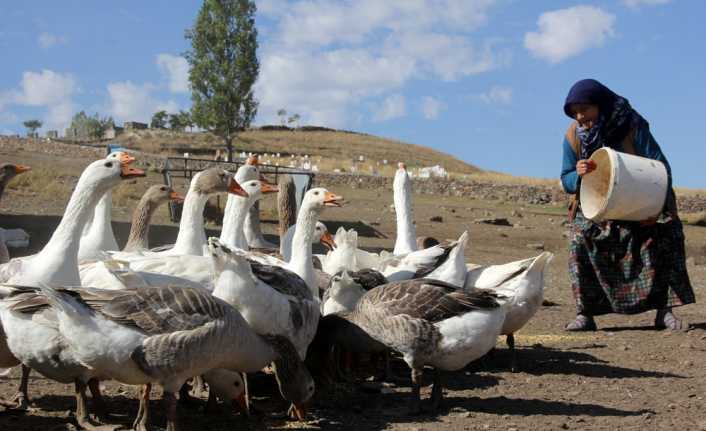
536	246
516	214
498	221
504	235
437	219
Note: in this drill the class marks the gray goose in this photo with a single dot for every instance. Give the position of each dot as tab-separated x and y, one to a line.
429	322
9	171
165	335
156	195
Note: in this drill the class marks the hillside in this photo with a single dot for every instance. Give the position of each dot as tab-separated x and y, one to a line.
330	149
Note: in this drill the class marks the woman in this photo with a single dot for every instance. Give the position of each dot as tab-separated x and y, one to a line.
620	266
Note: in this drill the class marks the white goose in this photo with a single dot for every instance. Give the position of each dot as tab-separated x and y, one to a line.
523	284
166	335
406	240
35	342
98	237
232	235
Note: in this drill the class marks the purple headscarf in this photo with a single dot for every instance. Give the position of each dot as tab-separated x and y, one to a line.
614	123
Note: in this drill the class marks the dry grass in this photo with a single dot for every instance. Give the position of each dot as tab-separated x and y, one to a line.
44	181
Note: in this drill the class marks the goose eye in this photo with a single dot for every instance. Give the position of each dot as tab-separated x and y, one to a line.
311	389
164	189
236	384
108	164
316	193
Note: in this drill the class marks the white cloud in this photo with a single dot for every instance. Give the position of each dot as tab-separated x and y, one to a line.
394	106
432	107
47	40
327	59
497	95
131	102
176	69
568	32
638	3
51	90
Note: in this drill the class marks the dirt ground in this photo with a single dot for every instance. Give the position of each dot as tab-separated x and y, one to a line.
624	376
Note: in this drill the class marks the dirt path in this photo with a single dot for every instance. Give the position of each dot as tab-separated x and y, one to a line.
625	376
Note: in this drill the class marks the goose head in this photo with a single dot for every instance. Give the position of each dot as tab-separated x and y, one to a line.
223	258
161	193
256	189
108	172
401	181
217	180
293	378
228	386
322	235
345	290
8	171
318	198
247	172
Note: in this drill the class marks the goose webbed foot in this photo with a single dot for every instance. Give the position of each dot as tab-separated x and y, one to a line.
82	418
21	399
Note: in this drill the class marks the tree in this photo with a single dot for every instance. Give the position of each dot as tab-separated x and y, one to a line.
159	120
186	120
223	67
294	119
32	126
282	114
175	122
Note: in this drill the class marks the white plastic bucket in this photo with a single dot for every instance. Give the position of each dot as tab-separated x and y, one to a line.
623	187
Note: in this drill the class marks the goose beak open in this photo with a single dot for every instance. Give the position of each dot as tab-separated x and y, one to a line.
176	197
268	187
126	159
331	200
128	172
22	168
234	187
327	240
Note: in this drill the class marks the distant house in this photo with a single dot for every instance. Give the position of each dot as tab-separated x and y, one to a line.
52	134
112	132
134	125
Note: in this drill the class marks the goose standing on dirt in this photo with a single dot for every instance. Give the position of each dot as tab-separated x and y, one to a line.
9	171
165	336
524	286
36	343
156	195
429	322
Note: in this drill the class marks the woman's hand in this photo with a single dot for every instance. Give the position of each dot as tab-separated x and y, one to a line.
585	166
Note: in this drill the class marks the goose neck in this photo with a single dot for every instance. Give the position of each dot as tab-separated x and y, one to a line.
232	234
192	237
406	231
301	262
138	239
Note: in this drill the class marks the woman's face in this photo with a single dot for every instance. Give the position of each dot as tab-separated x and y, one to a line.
586	114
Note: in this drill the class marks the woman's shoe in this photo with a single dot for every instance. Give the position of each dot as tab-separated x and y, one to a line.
665	319
581	323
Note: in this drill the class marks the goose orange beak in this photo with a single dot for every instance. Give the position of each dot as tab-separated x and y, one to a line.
234	187
331	200
266	187
252	160
176	197
402	165
327	240
128	172
22	168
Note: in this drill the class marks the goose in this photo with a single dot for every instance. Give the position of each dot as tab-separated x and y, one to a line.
429	322
230	234
346	288
9	171
98	237
165	335
156	195
525	289
251	229
406	241
56	263
275	301
321	235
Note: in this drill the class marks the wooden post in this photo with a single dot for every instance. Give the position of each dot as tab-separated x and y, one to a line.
286	203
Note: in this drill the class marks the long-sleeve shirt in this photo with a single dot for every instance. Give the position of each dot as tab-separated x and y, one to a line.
645	146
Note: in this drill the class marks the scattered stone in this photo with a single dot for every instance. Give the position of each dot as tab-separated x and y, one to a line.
437	219
504	235
548	303
516	214
498	221
536	246
468	415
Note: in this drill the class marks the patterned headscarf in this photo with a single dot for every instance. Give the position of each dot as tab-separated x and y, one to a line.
616	116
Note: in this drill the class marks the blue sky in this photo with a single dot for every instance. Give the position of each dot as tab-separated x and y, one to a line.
483	80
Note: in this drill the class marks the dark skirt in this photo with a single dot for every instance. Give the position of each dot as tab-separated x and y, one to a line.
624	267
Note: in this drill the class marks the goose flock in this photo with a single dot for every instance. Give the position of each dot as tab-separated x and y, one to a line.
82	310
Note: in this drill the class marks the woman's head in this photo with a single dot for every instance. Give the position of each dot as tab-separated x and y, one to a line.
587	100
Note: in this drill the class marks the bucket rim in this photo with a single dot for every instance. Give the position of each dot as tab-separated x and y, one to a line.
613	157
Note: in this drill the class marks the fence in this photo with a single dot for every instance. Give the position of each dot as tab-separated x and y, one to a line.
185	167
